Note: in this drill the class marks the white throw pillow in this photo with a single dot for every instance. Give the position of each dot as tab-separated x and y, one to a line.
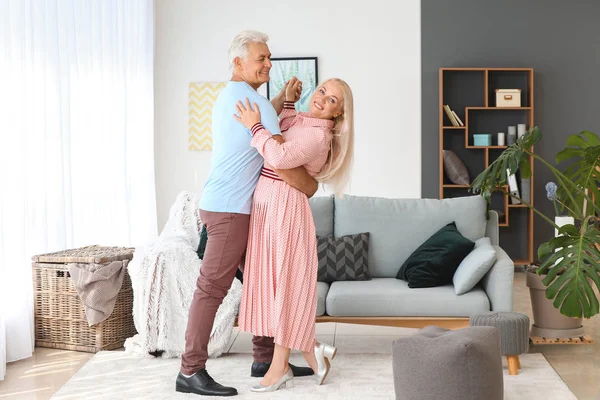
474	266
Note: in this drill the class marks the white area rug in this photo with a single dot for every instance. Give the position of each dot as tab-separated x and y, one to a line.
117	375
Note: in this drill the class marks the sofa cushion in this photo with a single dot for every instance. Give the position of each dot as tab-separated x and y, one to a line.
322	289
435	261
475	265
397	227
343	259
322	211
390	297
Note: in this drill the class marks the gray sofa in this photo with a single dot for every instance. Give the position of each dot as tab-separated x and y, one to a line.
397	227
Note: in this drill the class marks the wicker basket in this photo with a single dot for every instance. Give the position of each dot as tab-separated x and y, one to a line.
60	320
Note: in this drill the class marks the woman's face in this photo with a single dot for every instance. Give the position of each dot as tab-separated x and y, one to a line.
327	101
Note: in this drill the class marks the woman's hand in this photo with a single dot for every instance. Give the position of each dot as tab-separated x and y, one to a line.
248	116
293	90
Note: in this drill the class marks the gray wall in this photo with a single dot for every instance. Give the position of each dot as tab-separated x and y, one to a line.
559	39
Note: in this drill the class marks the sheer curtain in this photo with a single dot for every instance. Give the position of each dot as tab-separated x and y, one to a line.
76	140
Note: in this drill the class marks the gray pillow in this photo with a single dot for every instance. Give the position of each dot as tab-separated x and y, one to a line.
455	169
343	259
474	266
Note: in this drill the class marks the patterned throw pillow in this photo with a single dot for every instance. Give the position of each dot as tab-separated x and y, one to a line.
343	259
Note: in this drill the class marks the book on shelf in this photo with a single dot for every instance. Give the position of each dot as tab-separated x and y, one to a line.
457	119
450	115
512	187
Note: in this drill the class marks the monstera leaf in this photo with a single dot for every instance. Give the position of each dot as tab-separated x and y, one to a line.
583	155
571	262
514	157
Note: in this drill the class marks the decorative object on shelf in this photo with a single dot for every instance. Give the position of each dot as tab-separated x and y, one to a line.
482	139
455	169
201	99
526	190
521	129
511	139
569	262
501	141
512	130
304	68
508	97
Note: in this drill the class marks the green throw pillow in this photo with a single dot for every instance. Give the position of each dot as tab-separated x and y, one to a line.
435	261
202	244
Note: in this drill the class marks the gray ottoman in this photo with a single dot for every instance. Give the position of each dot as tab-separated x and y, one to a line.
438	363
514	334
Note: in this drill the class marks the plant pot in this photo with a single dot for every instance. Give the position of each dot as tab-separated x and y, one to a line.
547	320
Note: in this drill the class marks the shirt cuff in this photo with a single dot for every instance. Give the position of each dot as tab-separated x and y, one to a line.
256	127
289	105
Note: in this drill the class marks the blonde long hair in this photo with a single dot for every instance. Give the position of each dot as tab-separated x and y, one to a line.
336	172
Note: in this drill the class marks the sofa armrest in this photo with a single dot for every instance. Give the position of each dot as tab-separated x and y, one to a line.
491	228
498	282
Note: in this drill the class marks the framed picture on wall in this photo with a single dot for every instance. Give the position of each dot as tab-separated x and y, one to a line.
304	68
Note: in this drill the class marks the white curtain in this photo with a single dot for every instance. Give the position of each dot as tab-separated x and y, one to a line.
76	140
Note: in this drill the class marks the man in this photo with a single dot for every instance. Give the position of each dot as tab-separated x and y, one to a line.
225	210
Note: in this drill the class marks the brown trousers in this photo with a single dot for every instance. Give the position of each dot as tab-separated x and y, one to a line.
225	252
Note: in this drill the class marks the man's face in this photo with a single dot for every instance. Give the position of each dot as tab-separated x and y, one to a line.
255	69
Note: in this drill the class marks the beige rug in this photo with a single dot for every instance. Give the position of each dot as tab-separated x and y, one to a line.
116	375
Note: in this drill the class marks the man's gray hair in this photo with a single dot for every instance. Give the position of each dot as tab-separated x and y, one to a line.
239	44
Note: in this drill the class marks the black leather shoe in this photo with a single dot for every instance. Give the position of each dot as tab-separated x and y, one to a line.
202	383
260	369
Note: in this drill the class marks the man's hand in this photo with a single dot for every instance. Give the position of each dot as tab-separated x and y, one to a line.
299	179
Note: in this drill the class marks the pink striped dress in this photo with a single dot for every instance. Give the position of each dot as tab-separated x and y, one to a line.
279	297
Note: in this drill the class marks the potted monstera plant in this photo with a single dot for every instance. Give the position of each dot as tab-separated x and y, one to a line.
569	263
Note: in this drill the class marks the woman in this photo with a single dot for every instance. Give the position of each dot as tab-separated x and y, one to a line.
279	298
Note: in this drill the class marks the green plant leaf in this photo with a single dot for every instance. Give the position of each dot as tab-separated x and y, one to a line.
583	154
495	176
570	262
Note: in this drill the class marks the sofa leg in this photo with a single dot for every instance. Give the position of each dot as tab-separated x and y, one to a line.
518	362
513	365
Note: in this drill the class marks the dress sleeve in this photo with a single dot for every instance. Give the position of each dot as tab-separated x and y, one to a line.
293	153
287	115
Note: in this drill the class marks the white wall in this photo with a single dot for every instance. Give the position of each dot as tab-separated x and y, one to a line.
373	45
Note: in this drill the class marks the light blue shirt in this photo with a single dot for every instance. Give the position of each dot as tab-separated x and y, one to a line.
235	165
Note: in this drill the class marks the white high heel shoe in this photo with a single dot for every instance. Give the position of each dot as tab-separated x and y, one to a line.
286	381
323	353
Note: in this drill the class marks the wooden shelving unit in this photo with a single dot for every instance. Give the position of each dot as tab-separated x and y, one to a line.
470	92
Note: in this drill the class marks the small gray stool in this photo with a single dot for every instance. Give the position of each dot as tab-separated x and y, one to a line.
514	334
440	364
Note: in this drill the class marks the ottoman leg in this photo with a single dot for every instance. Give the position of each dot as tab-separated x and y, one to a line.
513	365
518	362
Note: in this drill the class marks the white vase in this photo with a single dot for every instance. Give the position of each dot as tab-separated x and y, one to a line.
562	220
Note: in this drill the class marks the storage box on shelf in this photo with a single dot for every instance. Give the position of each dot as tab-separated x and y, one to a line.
508	97
60	320
488	101
482	139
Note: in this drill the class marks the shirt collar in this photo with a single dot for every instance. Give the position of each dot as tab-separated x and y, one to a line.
306	120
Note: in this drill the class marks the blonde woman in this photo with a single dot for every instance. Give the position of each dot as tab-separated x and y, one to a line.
279	297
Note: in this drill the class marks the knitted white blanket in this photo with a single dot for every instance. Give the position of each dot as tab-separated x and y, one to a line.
164	277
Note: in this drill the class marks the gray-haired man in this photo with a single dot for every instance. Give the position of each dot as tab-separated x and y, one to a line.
225	209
